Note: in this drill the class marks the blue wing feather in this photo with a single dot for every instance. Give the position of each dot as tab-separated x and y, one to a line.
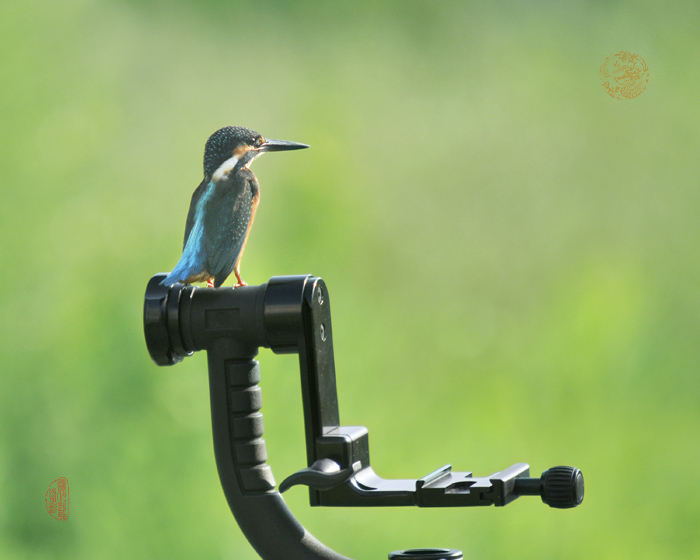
216	229
194	259
231	226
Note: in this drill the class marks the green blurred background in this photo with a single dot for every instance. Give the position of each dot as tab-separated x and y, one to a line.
512	257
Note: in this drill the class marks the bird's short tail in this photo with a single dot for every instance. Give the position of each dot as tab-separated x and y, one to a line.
169	280
177	275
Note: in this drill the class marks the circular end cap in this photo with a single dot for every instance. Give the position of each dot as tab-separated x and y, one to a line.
563	487
426	554
155	323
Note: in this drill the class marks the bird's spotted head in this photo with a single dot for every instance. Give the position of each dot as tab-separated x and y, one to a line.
237	145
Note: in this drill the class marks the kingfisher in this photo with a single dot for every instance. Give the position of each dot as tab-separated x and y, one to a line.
223	207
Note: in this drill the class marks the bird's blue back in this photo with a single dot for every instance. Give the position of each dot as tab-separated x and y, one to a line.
216	229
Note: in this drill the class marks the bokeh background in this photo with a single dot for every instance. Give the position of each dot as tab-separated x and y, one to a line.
512	257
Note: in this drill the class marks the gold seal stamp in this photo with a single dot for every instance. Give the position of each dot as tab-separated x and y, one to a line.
57	499
624	75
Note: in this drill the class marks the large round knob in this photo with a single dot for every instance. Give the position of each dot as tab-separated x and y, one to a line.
562	487
157	322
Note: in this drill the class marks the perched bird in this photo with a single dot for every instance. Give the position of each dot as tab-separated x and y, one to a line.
223	207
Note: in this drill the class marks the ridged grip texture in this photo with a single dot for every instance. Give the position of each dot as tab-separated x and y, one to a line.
245	402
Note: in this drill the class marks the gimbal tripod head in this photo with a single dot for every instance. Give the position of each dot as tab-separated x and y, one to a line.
291	314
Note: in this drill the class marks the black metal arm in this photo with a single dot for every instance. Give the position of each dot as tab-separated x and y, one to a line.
291	314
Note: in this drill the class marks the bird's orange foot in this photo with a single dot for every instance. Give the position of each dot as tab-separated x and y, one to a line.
240	280
210	283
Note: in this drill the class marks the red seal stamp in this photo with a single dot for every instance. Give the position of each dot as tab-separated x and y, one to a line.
624	75
57	499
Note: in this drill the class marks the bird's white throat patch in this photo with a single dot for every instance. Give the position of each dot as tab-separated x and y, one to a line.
221	174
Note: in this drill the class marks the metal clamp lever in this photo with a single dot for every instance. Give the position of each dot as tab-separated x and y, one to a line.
324	474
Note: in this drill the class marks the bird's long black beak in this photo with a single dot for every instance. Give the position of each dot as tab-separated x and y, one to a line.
280	146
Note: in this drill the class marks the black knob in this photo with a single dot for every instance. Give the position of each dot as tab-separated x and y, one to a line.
160	322
562	487
427	554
